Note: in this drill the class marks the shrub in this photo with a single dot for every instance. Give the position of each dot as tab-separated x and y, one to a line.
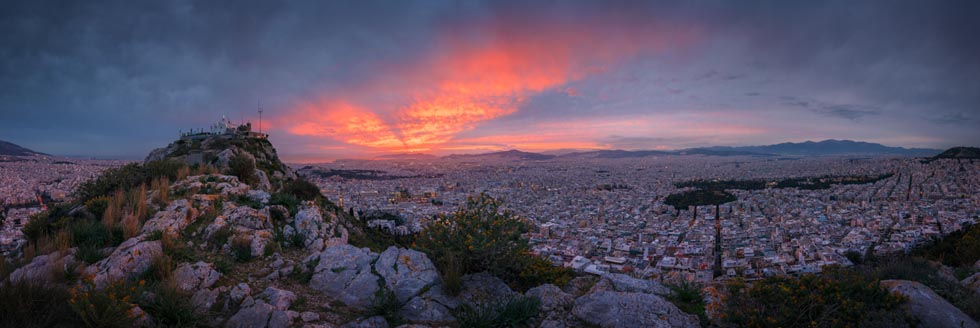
287	200
834	297
243	167
241	249
515	312
302	189
386	305
34	304
97	205
169	307
687	297
107	307
480	237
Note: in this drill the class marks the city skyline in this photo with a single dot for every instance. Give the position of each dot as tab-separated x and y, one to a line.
338	80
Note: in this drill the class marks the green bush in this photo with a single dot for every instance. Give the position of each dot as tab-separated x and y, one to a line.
170	307
286	200
34	304
386	305
106	307
243	167
687	297
128	177
835	298
515	312
302	189
480	237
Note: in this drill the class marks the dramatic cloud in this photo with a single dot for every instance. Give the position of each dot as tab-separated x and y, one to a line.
340	79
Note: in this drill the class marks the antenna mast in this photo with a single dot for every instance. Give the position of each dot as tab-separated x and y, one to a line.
257	104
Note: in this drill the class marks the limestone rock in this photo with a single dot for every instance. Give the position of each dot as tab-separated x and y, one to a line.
44	266
578	286
279	298
421	310
239	293
624	283
628	310
928	306
204	299
406	272
200	275
552	298
259	315
129	260
481	288
344	273
372	322
171	220
972	282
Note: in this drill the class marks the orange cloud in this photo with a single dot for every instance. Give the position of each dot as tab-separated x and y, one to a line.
470	76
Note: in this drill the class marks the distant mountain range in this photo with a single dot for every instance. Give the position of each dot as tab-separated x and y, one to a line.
10	149
831	147
808	148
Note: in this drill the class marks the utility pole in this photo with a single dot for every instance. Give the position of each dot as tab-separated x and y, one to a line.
260	115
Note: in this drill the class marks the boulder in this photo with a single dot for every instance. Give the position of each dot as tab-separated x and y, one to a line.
553	299
929	307
173	219
344	273
972	282
204	299
609	309
279	298
624	283
131	259
260	315
483	287
406	272
45	266
200	275
239	293
428	311
372	322
578	286
309	223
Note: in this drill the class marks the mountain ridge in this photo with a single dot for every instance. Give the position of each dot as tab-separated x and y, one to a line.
11	149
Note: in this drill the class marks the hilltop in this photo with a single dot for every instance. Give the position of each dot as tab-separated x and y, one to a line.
10	149
224	151
960	153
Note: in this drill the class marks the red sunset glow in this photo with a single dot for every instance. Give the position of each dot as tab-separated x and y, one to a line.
424	104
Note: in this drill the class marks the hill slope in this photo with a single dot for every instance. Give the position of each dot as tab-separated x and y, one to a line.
10	149
960	153
831	147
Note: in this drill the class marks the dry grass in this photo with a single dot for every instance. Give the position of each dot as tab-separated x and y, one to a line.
183	172
162	187
131	226
114	211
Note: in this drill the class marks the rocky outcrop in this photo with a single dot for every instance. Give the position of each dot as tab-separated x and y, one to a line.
624	283
972	282
372	322
218	151
406	272
930	308
244	222
172	219
42	268
127	261
555	305
609	309
482	288
192	277
344	273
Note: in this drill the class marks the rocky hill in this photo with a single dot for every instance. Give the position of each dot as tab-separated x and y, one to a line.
960	153
220	151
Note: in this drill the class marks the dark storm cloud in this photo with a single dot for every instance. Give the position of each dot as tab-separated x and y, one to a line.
120	77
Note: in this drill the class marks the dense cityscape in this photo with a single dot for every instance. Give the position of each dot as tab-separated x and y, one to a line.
604	215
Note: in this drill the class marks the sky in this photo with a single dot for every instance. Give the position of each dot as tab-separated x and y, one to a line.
342	79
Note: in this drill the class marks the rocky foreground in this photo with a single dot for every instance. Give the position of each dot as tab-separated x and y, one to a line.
323	281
